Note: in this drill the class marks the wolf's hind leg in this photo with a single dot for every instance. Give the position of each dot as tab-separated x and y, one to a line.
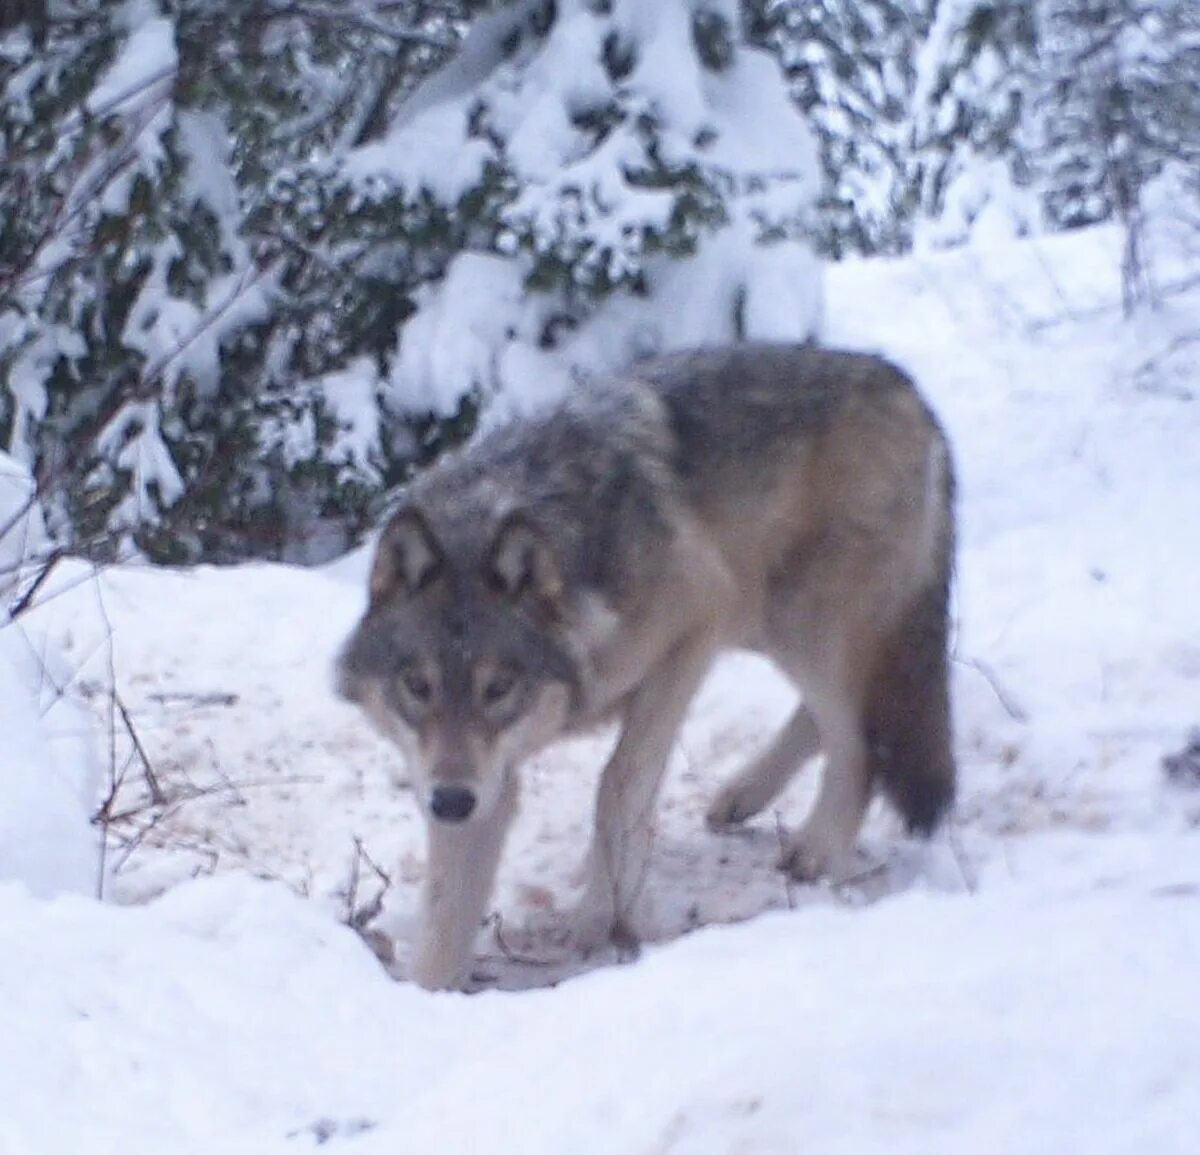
460	870
758	784
825	845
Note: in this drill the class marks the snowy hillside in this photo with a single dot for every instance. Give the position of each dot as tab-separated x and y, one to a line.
1027	983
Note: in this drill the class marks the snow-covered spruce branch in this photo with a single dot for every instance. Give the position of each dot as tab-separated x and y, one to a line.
155	88
365	18
91	174
79	119
249	279
143	388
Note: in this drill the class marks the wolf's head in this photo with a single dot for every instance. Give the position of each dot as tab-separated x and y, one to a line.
457	658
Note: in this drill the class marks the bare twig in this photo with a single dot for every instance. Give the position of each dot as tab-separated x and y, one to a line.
131	843
116	773
350	918
210	855
156	794
1146	368
191	793
496	921
112	821
25	600
359	918
197	698
1049	272
1091	312
843	887
788	884
1011	706
19	515
115	777
70	587
960	857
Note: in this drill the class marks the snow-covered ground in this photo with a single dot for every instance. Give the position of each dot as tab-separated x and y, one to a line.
1027	983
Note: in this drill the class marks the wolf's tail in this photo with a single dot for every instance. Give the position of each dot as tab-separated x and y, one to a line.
908	715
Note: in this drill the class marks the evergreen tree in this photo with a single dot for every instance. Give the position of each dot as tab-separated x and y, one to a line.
254	266
853	66
259	259
591	164
972	103
180	268
1120	76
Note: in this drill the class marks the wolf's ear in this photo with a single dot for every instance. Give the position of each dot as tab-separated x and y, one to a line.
522	565
408	558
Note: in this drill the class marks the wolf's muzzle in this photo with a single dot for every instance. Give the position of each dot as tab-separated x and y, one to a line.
451	803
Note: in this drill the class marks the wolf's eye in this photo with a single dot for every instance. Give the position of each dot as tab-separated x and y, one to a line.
498	688
417	686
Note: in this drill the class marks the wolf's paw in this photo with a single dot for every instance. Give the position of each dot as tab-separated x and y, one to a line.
579	934
591	925
436	968
731	807
588	935
596	924
810	856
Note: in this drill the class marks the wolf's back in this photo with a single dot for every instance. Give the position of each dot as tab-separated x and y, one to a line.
747	402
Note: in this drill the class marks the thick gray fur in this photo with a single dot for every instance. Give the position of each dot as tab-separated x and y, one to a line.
589	563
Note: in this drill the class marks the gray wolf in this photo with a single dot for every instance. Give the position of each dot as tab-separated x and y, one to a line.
589	563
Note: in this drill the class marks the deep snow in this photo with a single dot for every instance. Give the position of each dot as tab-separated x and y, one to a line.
1025	984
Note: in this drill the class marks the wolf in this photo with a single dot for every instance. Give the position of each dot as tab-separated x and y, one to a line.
588	563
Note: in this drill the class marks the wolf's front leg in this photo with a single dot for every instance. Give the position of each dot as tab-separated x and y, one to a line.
621	841
460	870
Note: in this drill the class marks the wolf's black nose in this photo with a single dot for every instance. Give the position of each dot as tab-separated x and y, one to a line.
451	803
